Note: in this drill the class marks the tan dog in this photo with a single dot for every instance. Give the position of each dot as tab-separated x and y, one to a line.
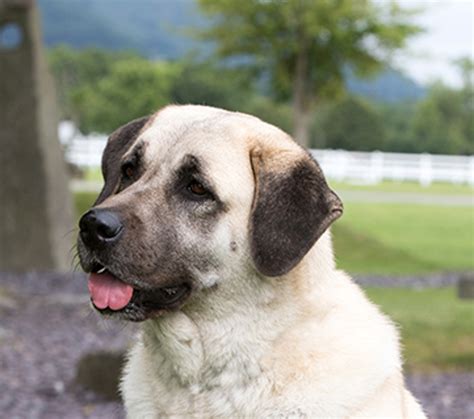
212	230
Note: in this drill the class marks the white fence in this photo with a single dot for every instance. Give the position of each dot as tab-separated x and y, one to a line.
86	152
80	150
374	167
339	165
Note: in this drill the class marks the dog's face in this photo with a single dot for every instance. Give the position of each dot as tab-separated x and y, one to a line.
190	195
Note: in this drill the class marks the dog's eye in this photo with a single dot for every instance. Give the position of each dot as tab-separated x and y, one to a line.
128	170
197	189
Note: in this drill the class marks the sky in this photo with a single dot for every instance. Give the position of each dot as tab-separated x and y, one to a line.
448	35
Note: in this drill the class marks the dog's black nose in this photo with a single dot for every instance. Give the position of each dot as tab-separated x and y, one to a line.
99	226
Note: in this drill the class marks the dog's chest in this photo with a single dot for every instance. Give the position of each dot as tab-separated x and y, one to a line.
222	390
181	375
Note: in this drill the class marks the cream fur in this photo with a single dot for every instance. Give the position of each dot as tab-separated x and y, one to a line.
305	345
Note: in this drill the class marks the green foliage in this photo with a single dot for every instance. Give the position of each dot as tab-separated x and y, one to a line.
134	88
436	326
100	90
228	87
278	114
353	124
398	120
207	83
75	69
443	122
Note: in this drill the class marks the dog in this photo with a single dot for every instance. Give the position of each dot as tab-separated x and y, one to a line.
212	230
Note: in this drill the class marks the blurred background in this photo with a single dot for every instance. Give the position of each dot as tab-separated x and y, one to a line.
381	91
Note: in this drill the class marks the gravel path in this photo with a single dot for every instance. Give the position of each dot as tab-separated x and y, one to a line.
44	334
46	326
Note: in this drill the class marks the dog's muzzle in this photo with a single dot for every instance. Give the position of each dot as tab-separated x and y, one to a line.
100	230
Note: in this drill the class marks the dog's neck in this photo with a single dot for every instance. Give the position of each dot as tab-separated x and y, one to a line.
230	329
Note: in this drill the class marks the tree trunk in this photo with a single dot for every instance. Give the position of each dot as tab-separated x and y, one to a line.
302	100
35	203
301	125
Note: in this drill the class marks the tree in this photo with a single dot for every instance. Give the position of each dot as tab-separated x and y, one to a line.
134	88
465	66
99	88
278	114
206	83
443	121
353	124
35	209
73	69
305	46
398	121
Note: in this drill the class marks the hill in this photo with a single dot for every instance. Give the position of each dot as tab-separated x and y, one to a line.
156	29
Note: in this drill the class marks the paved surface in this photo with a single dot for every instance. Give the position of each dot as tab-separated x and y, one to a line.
407	198
413	281
46	325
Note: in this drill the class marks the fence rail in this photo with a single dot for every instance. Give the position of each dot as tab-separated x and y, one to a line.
374	167
339	165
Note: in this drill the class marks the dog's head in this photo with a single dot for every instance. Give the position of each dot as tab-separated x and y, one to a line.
191	195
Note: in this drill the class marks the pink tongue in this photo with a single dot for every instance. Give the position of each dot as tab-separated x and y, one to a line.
108	291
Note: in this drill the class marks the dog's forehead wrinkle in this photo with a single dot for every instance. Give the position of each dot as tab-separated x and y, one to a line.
193	165
190	162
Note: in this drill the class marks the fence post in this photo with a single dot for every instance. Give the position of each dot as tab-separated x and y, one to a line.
342	165
376	167
470	175
426	172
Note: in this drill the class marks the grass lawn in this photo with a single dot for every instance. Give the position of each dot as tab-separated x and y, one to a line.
93	174
409	187
437	328
83	201
403	238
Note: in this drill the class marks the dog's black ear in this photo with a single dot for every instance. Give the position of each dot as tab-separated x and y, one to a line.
293	206
117	145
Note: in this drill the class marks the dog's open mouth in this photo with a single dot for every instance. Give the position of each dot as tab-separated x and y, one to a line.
110	295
